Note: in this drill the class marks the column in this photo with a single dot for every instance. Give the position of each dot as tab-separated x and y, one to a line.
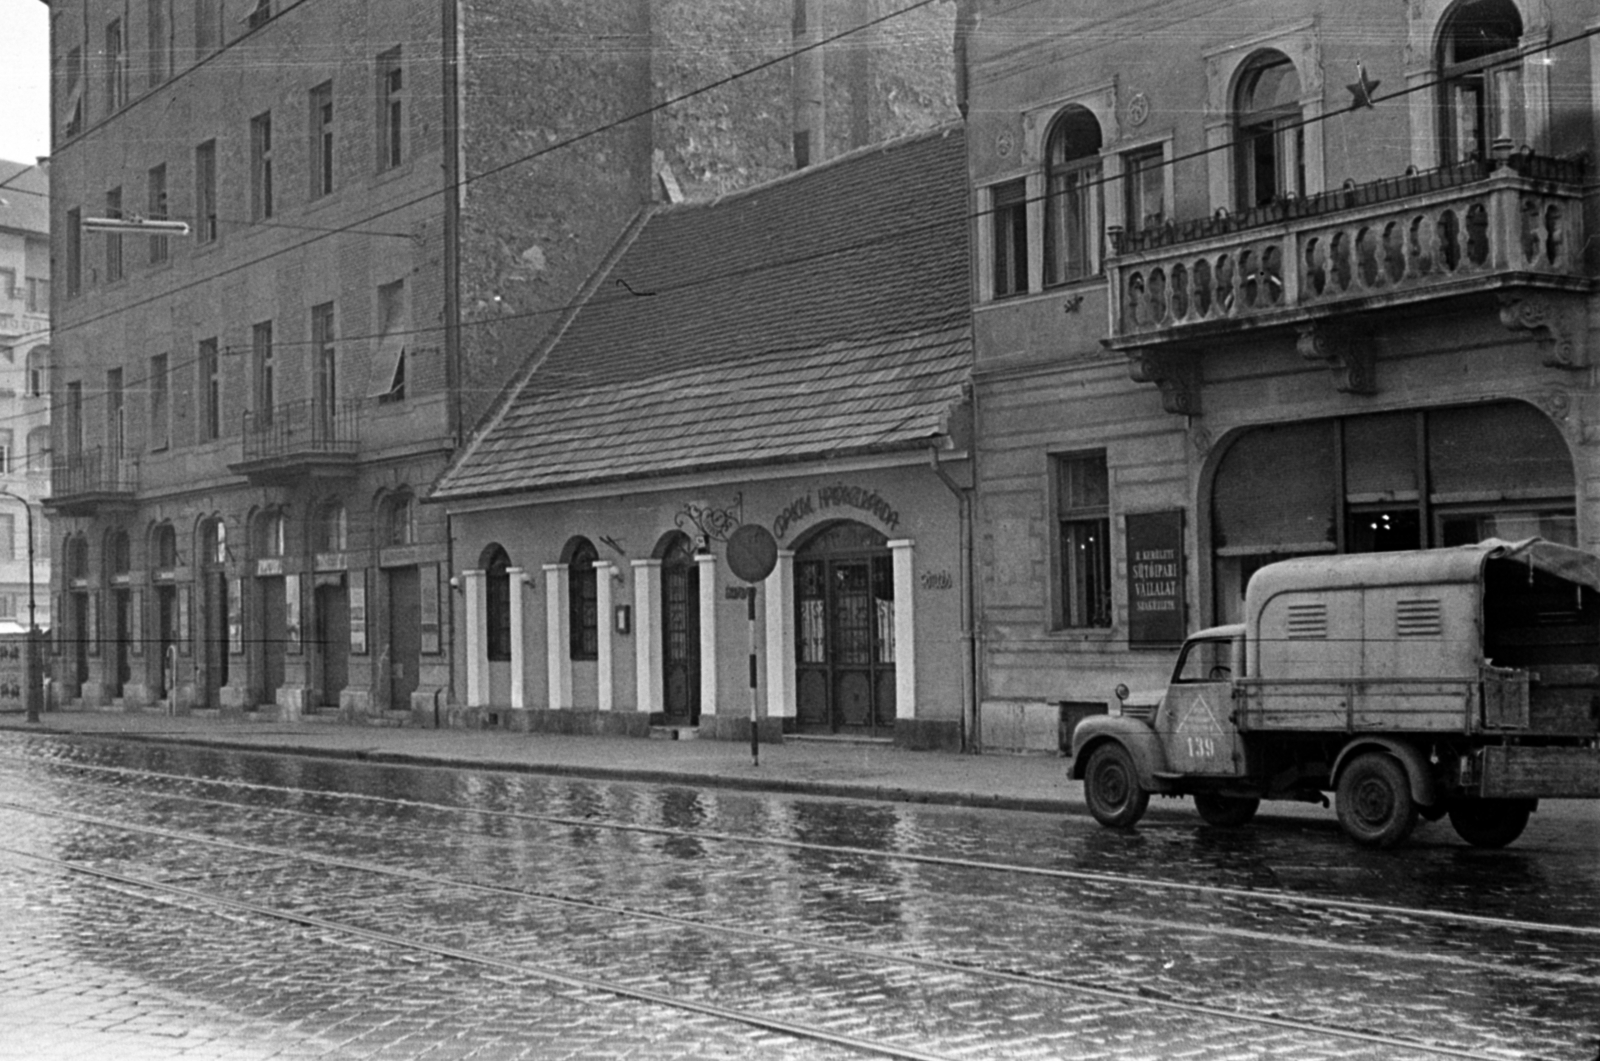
905	629
557	656
605	694
708	633
647	647
519	651
476	606
781	697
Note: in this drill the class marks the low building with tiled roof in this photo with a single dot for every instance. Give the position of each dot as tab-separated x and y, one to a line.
796	356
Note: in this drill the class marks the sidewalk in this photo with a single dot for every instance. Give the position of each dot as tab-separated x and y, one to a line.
825	767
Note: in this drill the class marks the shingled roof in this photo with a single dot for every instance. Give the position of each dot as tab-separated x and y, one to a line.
825	313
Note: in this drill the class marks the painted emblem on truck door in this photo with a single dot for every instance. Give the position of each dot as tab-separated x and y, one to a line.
1195	721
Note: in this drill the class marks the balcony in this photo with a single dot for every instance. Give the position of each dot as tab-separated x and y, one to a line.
93	481
1514	228
300	439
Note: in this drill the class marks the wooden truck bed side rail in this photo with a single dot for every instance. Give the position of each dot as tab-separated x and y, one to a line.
1357	705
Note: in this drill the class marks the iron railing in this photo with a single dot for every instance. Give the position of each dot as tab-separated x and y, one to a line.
95	471
303	428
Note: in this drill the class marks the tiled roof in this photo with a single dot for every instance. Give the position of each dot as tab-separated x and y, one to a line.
821	314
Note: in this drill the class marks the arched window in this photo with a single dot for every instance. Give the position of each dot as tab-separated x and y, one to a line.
214	542
77	550
1072	197
38	371
400	518
1269	139
582	600
333	528
497	598
271	534
165	543
1480	79
121	553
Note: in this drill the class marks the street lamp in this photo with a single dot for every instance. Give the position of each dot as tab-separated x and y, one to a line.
31	697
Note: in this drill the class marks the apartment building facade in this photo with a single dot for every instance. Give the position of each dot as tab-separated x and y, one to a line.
387	207
1265	280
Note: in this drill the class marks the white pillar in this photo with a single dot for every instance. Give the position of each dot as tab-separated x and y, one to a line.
708	633
476	606
648	663
605	693
519	651
556	639
905	629
781	696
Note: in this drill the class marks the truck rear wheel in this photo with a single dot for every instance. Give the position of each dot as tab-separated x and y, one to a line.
1225	812
1374	801
1111	787
1490	822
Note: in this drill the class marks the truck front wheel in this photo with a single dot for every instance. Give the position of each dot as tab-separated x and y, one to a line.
1490	822
1225	812
1111	787
1375	805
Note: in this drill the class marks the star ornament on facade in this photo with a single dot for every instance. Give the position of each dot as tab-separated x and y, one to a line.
1362	88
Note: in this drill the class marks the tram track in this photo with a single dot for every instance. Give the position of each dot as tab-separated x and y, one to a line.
171	886
1254	895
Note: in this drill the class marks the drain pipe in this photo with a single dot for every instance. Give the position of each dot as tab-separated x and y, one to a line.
969	636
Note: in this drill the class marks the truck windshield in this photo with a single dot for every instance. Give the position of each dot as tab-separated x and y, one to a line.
1205	661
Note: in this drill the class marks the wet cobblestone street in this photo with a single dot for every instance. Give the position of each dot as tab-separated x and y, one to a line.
163	902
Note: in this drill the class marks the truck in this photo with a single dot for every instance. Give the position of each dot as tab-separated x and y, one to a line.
1460	681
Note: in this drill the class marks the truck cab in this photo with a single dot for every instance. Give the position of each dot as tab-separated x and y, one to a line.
1461	682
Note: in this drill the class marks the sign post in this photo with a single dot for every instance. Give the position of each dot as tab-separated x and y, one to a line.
752	554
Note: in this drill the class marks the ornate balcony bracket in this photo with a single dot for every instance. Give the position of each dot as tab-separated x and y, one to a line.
1559	335
1350	357
1177	374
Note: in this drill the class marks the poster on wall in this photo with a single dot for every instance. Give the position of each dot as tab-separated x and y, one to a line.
1156	605
136	622
235	617
358	613
428	576
291	613
93	624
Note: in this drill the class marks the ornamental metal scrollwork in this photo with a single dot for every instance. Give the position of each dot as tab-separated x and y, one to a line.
713	524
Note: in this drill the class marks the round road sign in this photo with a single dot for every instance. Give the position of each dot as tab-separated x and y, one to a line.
752	552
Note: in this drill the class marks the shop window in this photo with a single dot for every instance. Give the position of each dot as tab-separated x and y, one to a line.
497	600
1083	510
1072	198
1480	79
1009	224
1269	137
582	601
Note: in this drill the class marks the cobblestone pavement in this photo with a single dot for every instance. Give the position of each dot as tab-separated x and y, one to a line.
954	932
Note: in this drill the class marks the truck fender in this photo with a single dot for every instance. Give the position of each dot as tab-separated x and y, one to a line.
1423	791
1137	737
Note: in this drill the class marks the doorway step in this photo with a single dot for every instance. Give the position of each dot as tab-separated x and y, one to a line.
674	733
836	738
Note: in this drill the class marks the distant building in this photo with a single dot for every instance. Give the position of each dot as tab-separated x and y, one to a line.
1266	281
24	393
389	205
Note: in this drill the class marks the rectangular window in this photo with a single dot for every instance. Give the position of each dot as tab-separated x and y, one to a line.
74	239
327	365
322	140
1009	207
116	59
391	110
160	415
113	239
205	192
260	14
265	385
8	285
1072	222
74	431
6	467
261	166
72	106
8	538
210	387
116	427
158	28
1144	187
1083	509
389	367
38	295
156	209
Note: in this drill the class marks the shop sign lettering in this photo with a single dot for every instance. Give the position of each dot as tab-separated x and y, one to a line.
1155	578
836	496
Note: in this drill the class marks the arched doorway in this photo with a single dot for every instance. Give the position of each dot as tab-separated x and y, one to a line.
214	602
330	647
164	554
80	610
119	562
844	629
272	612
680	630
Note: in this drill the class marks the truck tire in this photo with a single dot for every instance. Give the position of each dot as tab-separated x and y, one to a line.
1490	822
1225	812
1374	800
1111	787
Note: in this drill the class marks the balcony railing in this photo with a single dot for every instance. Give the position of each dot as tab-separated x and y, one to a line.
91	478
1390	242
300	436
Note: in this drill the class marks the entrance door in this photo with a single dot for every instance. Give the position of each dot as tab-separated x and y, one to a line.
122	640
274	638
82	629
166	640
680	631
215	638
405	635
332	642
844	590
